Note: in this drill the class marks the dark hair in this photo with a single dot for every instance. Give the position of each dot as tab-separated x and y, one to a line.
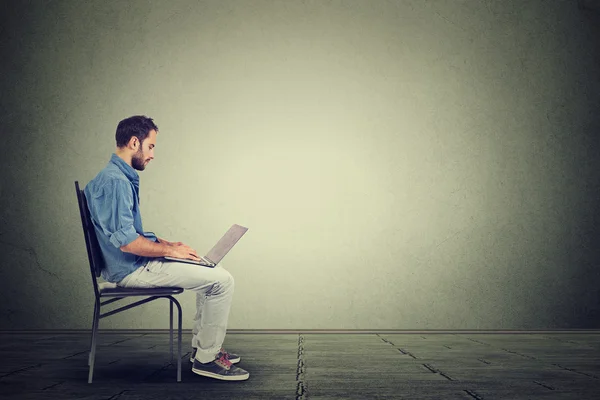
138	126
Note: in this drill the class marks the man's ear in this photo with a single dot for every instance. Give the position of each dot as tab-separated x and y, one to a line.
133	142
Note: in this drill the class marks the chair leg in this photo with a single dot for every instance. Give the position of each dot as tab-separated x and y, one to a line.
179	343
171	328
92	356
94	321
179	324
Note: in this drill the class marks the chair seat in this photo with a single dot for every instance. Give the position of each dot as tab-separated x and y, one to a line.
156	291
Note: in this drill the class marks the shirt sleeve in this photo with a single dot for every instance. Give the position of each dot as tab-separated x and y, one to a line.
151	236
112	209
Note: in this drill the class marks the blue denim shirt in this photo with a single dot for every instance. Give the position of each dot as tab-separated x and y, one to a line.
114	204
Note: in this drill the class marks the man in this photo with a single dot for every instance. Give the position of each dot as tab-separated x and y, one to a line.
133	258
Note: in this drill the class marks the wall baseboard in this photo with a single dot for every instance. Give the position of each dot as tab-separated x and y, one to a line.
307	331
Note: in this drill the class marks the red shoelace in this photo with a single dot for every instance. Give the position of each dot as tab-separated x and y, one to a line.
226	354
224	361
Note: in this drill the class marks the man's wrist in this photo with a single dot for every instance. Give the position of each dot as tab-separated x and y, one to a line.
168	250
164	241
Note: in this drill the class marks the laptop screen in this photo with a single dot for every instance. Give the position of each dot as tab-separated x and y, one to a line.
231	237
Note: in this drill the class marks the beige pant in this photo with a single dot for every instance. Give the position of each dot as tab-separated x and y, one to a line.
214	293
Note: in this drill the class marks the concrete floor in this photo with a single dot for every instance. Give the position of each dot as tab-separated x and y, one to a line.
130	366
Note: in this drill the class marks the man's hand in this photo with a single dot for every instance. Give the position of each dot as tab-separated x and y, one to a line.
164	241
181	250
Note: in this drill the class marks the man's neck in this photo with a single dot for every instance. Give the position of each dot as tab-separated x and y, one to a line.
124	155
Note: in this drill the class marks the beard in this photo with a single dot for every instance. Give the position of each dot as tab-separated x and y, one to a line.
137	161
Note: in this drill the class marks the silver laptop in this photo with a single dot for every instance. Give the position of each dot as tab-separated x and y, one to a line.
216	254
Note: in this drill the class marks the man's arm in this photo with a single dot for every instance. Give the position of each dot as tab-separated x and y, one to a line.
147	248
112	207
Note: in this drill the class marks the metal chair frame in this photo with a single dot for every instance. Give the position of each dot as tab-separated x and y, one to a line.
114	294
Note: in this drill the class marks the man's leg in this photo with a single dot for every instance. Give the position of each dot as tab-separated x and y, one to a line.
214	290
200	298
212	308
200	301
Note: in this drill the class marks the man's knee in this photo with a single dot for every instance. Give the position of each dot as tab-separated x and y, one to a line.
224	282
228	279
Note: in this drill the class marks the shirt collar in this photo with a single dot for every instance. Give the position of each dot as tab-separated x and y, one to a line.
127	169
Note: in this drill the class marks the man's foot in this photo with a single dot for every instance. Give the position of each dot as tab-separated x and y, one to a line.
233	358
220	368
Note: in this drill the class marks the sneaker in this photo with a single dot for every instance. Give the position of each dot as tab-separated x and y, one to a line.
233	358
220	368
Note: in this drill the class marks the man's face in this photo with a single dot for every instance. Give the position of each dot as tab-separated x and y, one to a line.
145	152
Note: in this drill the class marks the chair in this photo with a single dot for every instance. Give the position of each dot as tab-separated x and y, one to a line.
114	293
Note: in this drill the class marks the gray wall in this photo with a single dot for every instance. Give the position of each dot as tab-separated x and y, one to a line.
400	164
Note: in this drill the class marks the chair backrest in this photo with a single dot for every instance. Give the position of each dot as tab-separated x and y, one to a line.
91	240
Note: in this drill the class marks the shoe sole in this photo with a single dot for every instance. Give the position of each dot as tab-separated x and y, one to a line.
221	377
231	361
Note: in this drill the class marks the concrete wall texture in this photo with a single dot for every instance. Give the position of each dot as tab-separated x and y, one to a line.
400	164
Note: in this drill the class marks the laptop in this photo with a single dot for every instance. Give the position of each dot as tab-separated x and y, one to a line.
219	250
